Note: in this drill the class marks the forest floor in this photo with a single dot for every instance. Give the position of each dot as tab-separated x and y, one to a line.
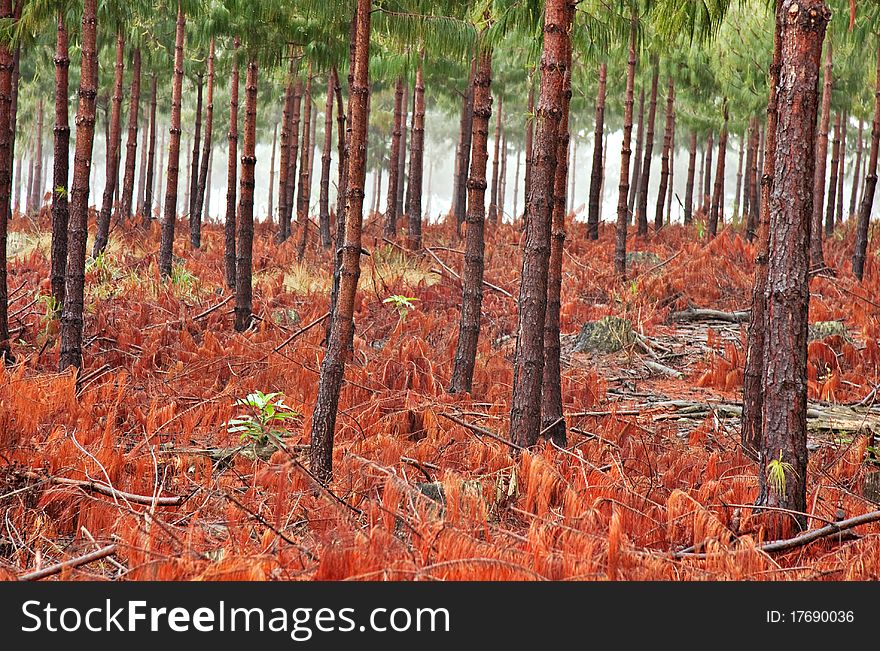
653	465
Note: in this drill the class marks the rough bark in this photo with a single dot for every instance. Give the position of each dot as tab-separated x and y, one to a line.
244	233
169	215
645	177
530	143
394	163
858	262
665	167
305	181
857	173
38	186
496	168
147	208
131	145
204	162
342	328
72	313
718	195
472	274
230	227
689	187
324	197
103	227
784	412
528	367
755	186
596	173
193	165
416	165
625	154
61	161
832	184
283	166
465	152
817	259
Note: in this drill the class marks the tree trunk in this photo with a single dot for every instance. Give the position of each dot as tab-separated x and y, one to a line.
292	158
7	154
530	143
194	165
147	208
401	163
19	163
707	180
755	198
817	258
664	161
472	275
689	187
718	195
204	161
493	194
29	187
841	173
748	180
465	152
671	189
283	172
528	367
636	174
305	182
515	211
271	208
324	198
858	263
784	412
832	185
230	223
857	173
739	176
642	206
138	200
416	164
572	165
103	227
342	329
394	163
625	154
72	313
169	216
502	181
244	234
37	189
596	173
61	161
131	145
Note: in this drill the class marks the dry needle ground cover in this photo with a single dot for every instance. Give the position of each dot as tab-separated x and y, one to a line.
415	494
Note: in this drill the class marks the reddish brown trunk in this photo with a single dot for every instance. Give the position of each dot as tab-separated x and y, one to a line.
665	167
472	276
817	258
493	194
60	169
416	165
528	367
324	198
284	171
230	227
72	314
755	185
597	172
342	328
244	244
530	143
147	207
464	151
37	188
305	180
394	163
642	206
718	195
832	185
784	412
193	164
201	185
870	187
131	145
103	227
753	392
625	154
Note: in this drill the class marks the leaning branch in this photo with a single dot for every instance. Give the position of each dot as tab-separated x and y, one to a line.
73	562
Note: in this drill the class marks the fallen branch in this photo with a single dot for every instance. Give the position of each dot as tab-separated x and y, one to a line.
657	367
300	331
452	272
73	562
701	314
202	315
483	432
106	489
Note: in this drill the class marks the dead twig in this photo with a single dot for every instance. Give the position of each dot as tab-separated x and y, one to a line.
483	432
106	489
73	562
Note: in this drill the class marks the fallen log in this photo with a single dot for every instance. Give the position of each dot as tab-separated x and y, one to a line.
73	562
693	314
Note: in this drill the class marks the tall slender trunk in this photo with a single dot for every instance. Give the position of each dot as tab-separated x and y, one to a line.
401	163
324	197
342	329
72	314
671	188
244	234
16	184
29	187
7	154
597	169
739	176
832	185
138	200
625	154
502	181
664	161
230	221
528	367
552	418
204	161
571	185
858	262
169	216
159	190
103	227
496	168
636	174
393	163
61	161
515	210
472	274
283	170
642	206
689	187
748	180
37	190
292	158
841	173
131	145
707	180
305	180
416	164
857	172
465	155
784	412
717	205
530	143
271	208
753	373
193	165
147	208
817	259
